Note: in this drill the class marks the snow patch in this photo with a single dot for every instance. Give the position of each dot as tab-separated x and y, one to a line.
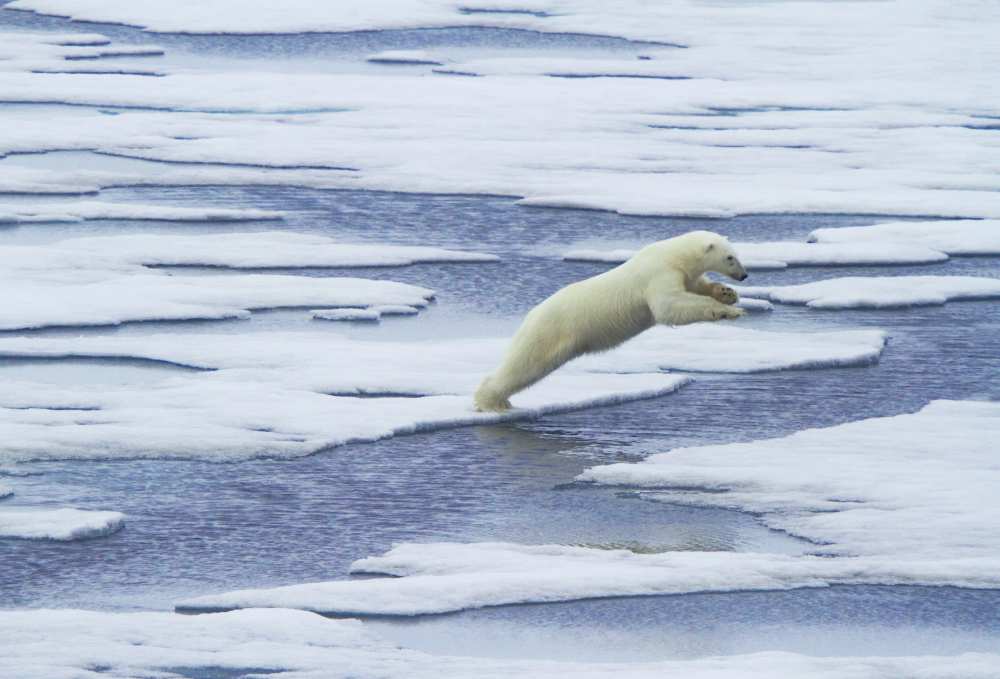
374	313
288	644
260	250
91	210
879	292
918	488
64	524
272	393
955	237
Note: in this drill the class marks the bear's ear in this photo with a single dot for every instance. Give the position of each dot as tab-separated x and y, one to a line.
709	247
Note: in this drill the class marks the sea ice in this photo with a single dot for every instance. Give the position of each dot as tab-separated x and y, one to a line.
288	644
879	292
374	313
918	488
798	131
48	286
907	499
290	394
435	578
955	237
58	524
260	250
89	210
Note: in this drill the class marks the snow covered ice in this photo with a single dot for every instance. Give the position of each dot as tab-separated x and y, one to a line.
57	524
866	492
954	237
60	644
52	286
879	292
293	394
918	484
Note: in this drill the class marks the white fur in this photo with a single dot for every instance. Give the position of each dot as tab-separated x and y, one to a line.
661	284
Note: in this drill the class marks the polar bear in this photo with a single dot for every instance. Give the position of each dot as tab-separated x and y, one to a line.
662	283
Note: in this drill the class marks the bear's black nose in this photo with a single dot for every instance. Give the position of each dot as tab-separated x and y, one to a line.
742	278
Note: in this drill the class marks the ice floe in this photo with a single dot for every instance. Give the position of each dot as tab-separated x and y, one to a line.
47	286
106	280
954	237
780	255
372	314
705	347
907	499
41	52
917	488
289	394
798	130
879	292
287	644
435	578
58	524
91	210
259	250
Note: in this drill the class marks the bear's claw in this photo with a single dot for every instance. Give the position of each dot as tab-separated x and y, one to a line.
724	294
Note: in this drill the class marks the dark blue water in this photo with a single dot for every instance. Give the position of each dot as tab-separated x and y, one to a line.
195	528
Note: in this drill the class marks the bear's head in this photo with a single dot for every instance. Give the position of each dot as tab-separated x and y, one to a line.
718	256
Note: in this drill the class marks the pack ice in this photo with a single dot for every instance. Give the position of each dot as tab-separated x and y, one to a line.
288	644
896	500
879	292
57	524
289	394
107	280
774	119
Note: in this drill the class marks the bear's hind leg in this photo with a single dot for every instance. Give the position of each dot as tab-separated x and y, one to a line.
522	367
489	400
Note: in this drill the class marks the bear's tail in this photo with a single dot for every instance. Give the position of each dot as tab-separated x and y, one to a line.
489	399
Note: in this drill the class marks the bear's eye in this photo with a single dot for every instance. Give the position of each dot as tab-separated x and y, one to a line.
730	258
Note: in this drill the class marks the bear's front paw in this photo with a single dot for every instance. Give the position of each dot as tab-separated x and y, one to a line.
724	294
729	313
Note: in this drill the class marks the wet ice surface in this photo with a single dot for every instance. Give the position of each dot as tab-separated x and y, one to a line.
197	528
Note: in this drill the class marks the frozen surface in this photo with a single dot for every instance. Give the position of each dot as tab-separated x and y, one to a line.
433	578
707	347
258	250
346	314
52	52
955	237
58	524
781	255
374	313
293	394
805	113
50	286
66	644
879	292
83	211
919	485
